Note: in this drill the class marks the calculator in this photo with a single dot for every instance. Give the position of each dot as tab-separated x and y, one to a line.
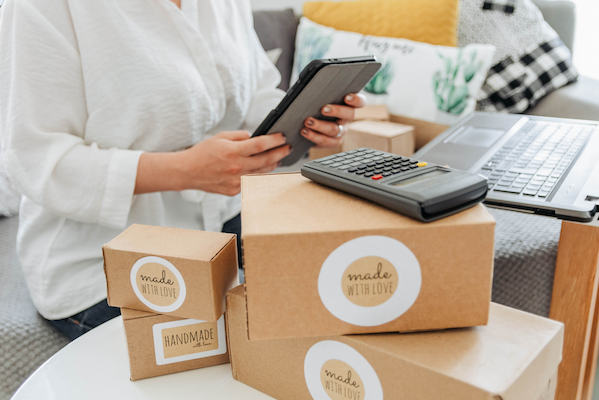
417	189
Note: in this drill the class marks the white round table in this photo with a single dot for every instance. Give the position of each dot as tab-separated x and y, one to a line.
96	366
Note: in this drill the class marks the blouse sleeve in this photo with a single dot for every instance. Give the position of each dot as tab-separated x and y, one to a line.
267	96
43	119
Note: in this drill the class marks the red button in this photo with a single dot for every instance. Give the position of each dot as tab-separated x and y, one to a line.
377	177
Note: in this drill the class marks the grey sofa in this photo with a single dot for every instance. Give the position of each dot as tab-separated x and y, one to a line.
526	245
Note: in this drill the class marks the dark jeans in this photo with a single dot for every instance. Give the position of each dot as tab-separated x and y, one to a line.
86	320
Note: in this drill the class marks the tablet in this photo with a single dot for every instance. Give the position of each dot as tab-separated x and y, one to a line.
322	82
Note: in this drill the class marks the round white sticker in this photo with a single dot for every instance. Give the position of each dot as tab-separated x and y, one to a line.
158	284
336	371
370	281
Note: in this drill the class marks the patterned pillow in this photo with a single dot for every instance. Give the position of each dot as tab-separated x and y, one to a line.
418	80
531	61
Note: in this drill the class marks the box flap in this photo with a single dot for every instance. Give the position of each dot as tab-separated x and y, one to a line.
380	128
170	242
129	314
274	204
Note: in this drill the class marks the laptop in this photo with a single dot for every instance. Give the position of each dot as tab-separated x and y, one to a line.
540	165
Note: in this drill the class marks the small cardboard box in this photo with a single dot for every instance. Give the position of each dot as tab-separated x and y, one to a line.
424	131
160	344
380	135
322	262
515	357
368	113
178	272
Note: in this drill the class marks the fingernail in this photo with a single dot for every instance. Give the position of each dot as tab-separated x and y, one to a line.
279	163
327	109
284	138
349	97
290	149
310	122
304	131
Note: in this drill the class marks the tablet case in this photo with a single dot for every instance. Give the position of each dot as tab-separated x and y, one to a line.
330	85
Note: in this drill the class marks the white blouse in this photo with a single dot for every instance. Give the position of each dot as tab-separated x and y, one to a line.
86	86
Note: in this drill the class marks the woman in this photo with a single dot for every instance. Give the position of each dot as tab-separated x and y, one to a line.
118	112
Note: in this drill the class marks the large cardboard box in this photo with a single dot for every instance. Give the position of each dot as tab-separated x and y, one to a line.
321	262
160	345
380	135
178	272
514	357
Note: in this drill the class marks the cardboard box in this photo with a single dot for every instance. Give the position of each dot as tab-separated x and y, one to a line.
380	135
515	357
424	131
368	113
160	344
178	272
321	262
372	113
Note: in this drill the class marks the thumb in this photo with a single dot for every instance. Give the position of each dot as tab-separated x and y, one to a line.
235	136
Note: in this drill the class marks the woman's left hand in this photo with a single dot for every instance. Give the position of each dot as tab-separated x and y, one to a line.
326	134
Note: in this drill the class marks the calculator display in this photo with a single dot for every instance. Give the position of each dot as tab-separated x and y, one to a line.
419	178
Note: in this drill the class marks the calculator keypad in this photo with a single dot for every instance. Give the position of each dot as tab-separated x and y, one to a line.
372	164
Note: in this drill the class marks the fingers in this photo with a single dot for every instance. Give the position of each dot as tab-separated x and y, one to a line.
325	127
344	113
320	139
262	161
260	144
234	135
355	100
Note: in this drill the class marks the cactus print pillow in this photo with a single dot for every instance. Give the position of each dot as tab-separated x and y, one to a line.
417	80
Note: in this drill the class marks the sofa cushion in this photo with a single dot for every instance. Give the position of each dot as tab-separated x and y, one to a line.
418	80
531	60
276	31
429	21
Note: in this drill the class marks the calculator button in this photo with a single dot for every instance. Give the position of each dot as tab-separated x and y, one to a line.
378	170
387	169
387	174
372	164
344	167
422	164
396	171
368	174
413	166
388	158
377	177
405	163
349	161
328	162
414	162
355	164
335	165
543	194
405	168
352	169
358	158
377	158
380	162
362	166
351	152
369	151
360	172
369	169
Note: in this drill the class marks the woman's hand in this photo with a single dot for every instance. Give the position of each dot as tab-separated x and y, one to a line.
330	134
214	165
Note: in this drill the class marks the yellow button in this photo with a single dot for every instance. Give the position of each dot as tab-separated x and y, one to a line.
422	164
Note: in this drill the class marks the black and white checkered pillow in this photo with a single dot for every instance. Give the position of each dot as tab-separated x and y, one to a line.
507	6
531	61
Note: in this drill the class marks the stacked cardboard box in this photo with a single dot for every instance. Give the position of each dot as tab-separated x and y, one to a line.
320	263
171	284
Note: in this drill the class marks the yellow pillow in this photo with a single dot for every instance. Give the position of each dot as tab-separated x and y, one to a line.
429	21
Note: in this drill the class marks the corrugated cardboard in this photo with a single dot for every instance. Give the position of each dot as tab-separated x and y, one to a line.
380	135
515	357
297	233
178	272
424	131
160	345
372	113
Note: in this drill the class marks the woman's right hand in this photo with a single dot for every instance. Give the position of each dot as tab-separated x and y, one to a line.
214	165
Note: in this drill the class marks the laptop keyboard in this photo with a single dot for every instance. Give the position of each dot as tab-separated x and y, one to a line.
535	158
